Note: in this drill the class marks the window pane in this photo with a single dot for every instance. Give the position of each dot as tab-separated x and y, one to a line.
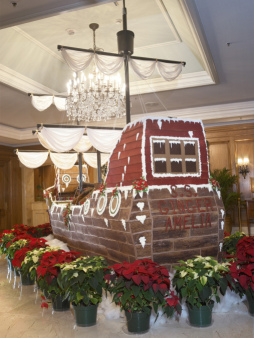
159	147
189	148
176	167
174	148
191	166
160	166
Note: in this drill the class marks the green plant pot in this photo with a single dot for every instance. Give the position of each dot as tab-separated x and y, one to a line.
85	315
138	322
200	317
26	279
250	300
59	304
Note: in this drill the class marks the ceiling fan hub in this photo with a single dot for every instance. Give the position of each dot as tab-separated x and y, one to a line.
125	41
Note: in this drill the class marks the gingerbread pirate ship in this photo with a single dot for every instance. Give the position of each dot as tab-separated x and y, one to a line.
170	212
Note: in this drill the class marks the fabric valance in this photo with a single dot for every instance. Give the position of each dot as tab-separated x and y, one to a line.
64	161
32	160
103	140
43	102
91	159
62	139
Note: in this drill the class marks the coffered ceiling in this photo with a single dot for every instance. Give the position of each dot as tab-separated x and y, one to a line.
215	38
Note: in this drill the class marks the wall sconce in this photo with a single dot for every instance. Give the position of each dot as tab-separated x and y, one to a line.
243	166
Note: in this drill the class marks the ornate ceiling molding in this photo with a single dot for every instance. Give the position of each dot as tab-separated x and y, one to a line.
16	80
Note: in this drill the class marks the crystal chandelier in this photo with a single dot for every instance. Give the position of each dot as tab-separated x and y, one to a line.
98	98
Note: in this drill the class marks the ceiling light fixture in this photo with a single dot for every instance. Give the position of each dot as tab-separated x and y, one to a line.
97	98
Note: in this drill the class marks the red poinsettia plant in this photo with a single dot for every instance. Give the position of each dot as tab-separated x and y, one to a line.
140	185
140	285
242	269
19	256
49	269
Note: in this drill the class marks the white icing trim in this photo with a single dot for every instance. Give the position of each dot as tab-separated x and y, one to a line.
176	160
123	223
129	160
112	211
141	218
141	205
159	141
137	136
119	153
106	221
86	206
188	142
159	122
158	159
222	224
191	160
92	210
221	245
222	213
124	146
101	211
190	133
141	193
143	150
142	241
126	194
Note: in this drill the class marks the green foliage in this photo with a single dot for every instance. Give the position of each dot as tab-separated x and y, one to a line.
10	251
5	239
226	181
230	242
199	279
32	261
83	280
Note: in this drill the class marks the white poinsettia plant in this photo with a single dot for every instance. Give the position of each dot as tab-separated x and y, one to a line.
199	280
83	280
32	260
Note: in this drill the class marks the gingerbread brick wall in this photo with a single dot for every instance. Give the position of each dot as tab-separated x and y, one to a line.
176	224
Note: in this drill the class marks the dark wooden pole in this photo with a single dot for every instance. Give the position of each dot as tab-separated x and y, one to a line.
99	166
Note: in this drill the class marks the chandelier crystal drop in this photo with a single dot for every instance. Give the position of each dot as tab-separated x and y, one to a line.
98	98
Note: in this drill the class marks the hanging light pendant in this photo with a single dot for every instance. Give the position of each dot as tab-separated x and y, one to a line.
96	98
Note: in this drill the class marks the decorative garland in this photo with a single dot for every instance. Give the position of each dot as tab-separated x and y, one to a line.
140	185
67	215
103	189
215	184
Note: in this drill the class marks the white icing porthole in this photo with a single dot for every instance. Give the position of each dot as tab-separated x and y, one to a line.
83	178
114	204
86	207
101	204
66	179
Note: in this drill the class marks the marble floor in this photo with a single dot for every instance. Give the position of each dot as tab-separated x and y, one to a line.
21	316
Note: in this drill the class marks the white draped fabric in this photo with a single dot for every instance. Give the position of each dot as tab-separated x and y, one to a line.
31	159
64	161
60	103
145	68
103	140
43	142
62	139
83	145
41	102
91	159
108	65
169	71
77	60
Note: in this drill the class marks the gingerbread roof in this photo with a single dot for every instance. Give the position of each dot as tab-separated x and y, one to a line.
164	151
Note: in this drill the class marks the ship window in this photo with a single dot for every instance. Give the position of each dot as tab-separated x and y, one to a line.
175	156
